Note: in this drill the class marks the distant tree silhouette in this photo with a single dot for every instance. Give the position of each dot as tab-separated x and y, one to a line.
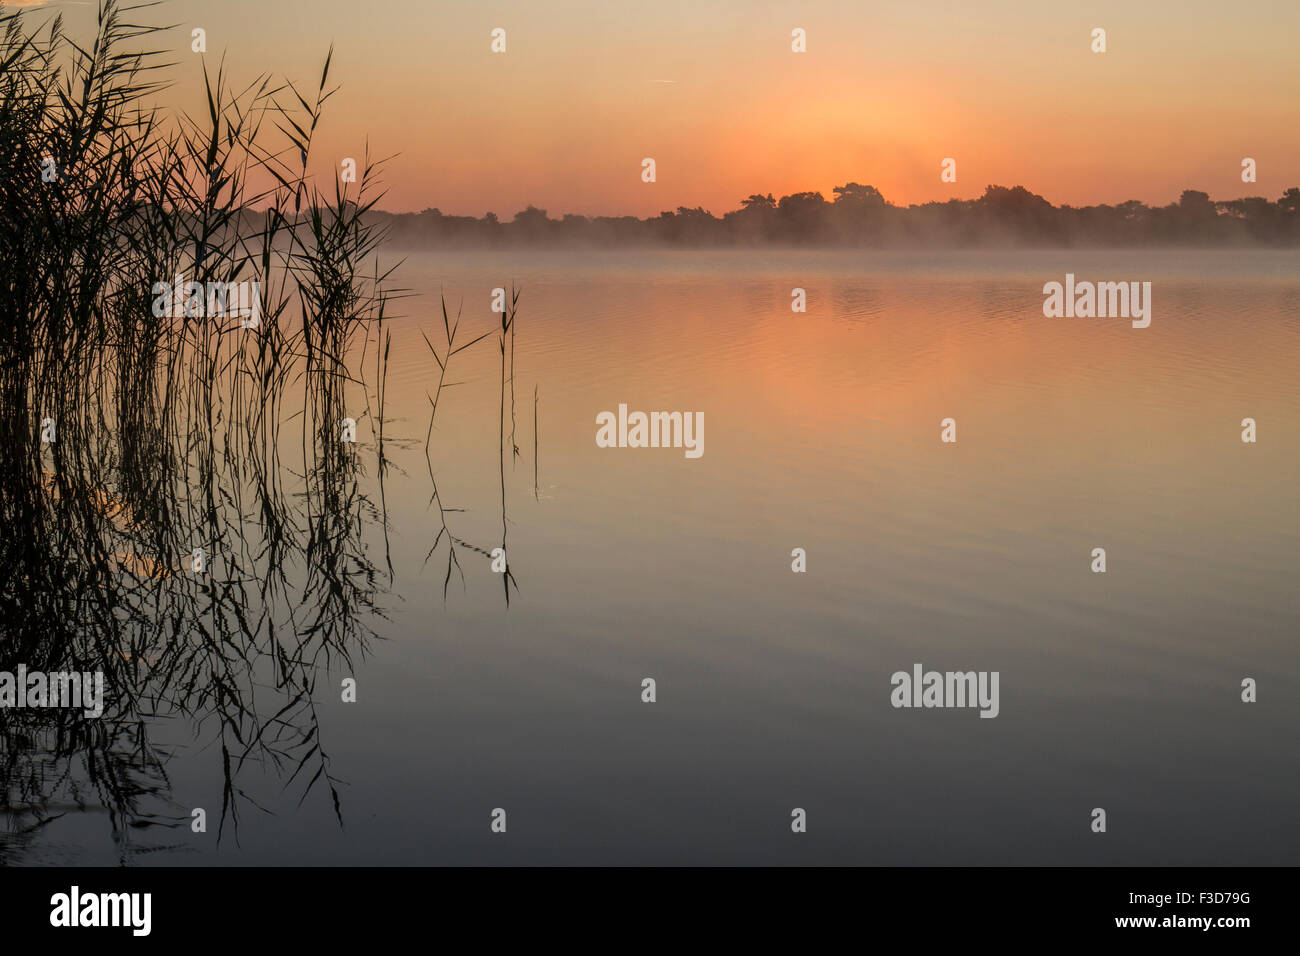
858	212
694	226
801	216
754	221
855	196
861	216
1196	218
532	223
1290	202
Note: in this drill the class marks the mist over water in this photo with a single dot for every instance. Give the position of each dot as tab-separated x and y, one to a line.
1118	690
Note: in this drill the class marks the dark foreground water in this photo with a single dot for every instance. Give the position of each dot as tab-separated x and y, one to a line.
1119	690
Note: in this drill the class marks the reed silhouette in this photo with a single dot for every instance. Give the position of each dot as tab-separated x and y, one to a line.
184	515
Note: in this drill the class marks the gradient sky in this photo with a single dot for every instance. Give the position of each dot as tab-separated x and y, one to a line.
1009	88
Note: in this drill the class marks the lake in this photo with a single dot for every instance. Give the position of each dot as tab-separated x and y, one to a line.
1119	690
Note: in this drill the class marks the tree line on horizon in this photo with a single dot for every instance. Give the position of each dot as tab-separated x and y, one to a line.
861	216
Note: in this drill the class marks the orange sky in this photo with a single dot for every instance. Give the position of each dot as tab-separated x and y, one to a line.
711	90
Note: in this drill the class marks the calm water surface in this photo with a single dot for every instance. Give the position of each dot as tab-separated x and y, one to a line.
1118	690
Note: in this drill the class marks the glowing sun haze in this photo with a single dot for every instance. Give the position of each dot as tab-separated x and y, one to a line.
711	90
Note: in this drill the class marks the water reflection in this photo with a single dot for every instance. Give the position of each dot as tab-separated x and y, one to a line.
216	551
